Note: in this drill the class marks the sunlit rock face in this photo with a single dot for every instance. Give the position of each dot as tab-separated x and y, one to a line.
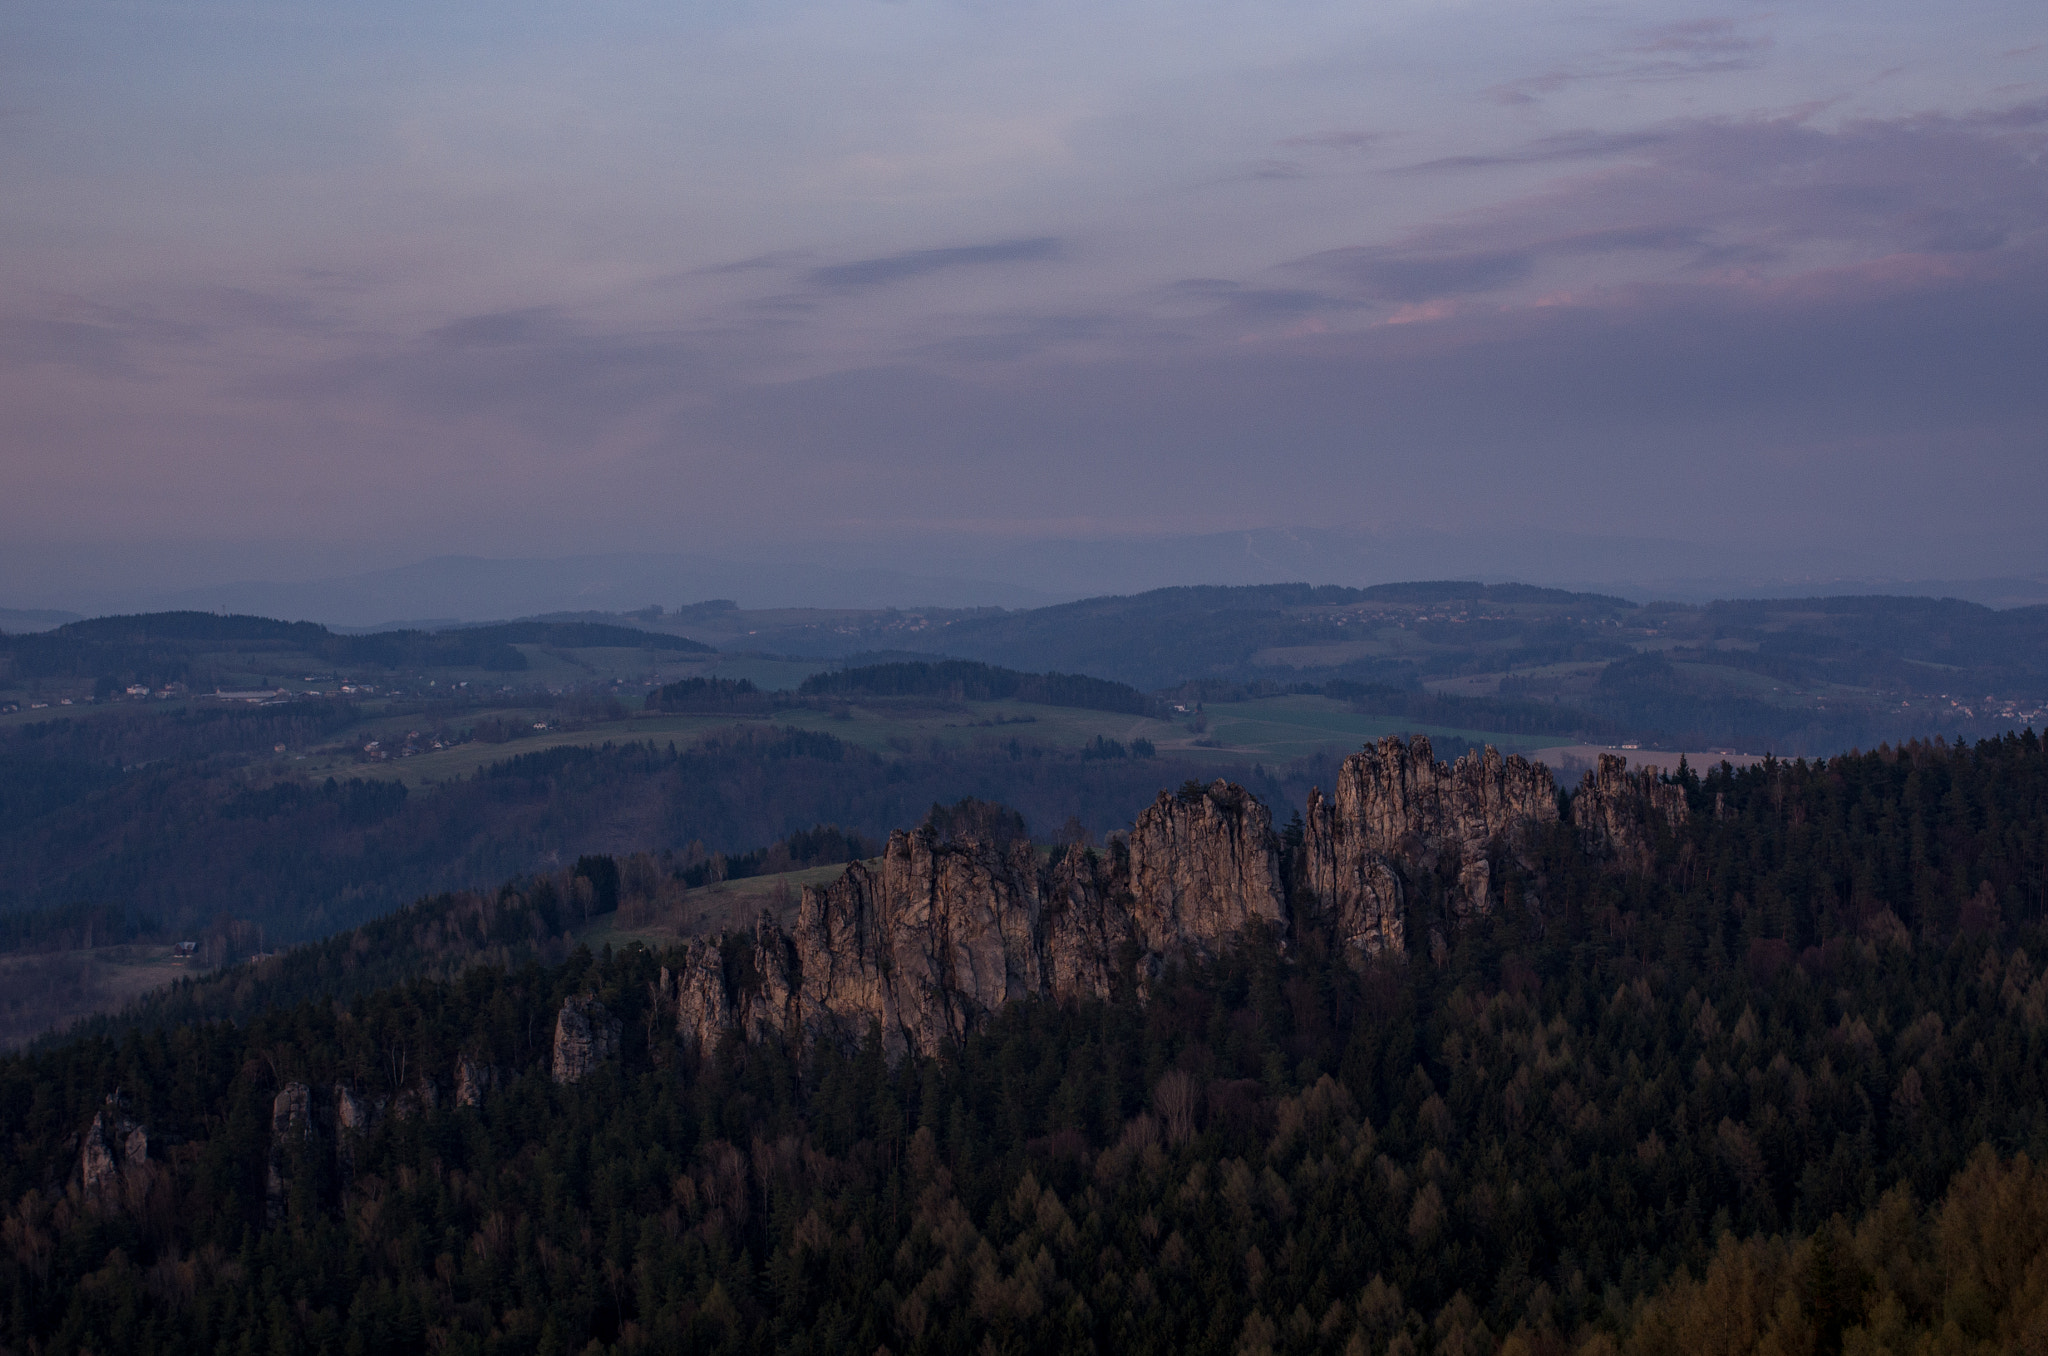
961	914
1395	810
944	933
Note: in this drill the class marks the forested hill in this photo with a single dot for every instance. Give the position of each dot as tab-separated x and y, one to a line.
1716	1104
159	648
1806	675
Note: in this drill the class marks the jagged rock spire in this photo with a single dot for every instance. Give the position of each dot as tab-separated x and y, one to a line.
1396	807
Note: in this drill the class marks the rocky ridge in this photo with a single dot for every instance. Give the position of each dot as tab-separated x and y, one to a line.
960	915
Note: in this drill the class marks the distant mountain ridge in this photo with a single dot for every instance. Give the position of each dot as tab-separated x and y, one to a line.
940	569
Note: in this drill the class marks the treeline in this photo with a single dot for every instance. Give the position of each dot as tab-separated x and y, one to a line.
953	680
964	680
715	695
822	845
1472	713
1648	698
74	927
1688	1110
568	635
1655	699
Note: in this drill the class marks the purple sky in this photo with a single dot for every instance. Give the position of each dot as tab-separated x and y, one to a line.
290	288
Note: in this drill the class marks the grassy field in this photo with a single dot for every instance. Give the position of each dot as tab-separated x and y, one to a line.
884	728
712	909
40	991
1268	730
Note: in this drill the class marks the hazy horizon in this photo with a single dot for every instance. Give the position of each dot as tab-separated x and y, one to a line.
455	588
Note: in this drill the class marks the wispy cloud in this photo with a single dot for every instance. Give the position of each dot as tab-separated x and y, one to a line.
1384	274
917	263
1558	146
1336	140
1679	51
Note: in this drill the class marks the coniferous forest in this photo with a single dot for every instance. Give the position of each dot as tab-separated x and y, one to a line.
1785	1091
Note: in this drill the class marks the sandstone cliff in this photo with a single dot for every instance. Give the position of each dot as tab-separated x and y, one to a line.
938	934
115	1147
959	916
291	1126
585	1036
473	1080
1203	865
1397	810
1619	813
1085	922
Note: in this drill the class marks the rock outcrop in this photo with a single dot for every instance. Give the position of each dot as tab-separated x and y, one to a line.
356	1113
1085	922
1397	810
356	1116
960	916
941	936
1204	863
585	1036
473	1080
291	1126
743	985
115	1147
1619	813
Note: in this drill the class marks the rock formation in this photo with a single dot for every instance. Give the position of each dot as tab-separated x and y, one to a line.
1395	809
115	1146
941	933
959	915
1203	865
1085	922
1619	813
291	1122
585	1036
355	1117
354	1113
473	1080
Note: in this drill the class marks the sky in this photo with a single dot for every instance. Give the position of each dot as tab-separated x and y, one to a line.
291	289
